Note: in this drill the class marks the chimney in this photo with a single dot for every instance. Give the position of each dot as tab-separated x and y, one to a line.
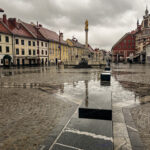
13	21
61	36
5	18
40	25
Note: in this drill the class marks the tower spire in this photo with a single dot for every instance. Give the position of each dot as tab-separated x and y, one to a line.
137	22
146	11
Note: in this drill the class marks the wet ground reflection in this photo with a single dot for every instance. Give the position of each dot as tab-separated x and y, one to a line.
33	101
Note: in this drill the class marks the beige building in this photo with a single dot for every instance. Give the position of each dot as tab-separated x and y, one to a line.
142	37
29	44
76	49
6	53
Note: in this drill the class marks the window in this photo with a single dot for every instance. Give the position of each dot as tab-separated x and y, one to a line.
22	51
22	42
33	43
42	52
17	41
0	49
0	38
41	43
45	52
29	43
6	38
45	44
33	52
30	51
7	49
17	51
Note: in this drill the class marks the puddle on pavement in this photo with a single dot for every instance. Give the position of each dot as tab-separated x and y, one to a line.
69	86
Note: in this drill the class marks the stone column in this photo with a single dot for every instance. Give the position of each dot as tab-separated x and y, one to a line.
86	39
86	34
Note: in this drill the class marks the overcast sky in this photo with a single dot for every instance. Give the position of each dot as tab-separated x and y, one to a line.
108	20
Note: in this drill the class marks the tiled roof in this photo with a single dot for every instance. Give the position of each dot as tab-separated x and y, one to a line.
19	30
76	43
133	32
51	35
90	48
33	30
3	28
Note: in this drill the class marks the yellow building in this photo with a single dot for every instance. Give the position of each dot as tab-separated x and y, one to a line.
76	49
25	51
42	45
6	54
30	44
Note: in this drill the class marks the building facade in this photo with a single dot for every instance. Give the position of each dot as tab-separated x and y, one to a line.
76	49
6	52
24	43
124	47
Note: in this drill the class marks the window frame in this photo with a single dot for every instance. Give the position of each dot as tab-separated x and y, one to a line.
17	50
22	41
29	52
29	43
23	52
7	39
7	49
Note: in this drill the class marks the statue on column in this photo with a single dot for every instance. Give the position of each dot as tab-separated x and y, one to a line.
86	25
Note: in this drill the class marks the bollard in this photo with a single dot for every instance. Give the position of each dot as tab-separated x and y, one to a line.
106	76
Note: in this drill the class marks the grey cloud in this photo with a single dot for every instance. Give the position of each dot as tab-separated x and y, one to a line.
115	16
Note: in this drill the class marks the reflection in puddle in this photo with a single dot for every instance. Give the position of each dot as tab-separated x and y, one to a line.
67	88
86	93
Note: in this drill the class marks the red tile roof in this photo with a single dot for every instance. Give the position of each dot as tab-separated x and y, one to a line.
33	30
51	35
3	28
19	30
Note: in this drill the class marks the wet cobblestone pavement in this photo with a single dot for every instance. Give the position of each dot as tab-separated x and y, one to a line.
135	78
36	103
